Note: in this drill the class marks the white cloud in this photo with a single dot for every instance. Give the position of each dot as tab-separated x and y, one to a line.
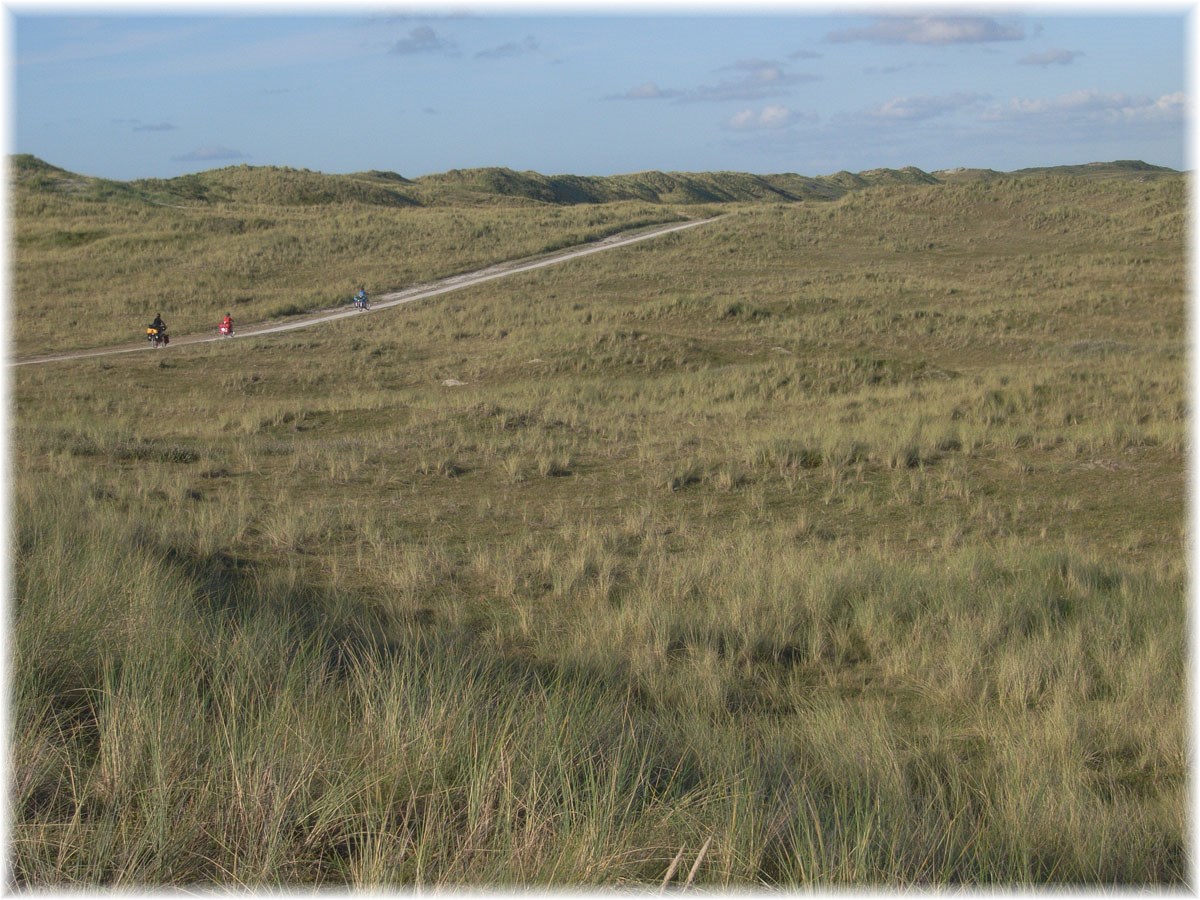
930	30
768	117
1096	106
774	116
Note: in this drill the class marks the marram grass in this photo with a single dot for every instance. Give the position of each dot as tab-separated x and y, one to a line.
831	545
989	717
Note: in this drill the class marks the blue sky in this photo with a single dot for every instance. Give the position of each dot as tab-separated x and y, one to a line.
131	92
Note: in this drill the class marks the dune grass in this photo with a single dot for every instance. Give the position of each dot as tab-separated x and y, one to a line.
831	545
90	274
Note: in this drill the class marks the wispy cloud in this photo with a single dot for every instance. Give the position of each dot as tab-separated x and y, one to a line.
753	66
511	50
762	79
423	40
139	125
1096	106
104	44
1050	58
930	30
890	70
1089	120
647	91
210	154
913	109
217	47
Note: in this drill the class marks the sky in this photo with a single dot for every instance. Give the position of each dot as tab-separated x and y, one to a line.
137	91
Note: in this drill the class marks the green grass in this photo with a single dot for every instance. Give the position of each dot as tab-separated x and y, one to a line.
842	539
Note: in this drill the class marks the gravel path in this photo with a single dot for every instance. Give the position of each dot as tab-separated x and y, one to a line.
383	301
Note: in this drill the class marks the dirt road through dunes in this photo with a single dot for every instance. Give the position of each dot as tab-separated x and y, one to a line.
383	301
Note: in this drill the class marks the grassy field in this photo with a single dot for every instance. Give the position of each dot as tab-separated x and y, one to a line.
92	266
830	544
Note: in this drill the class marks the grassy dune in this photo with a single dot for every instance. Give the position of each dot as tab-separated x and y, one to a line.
832	544
94	262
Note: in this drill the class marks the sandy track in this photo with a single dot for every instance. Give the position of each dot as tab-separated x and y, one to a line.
383	301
